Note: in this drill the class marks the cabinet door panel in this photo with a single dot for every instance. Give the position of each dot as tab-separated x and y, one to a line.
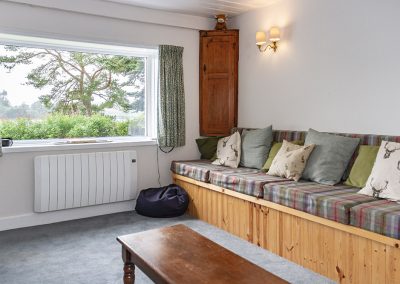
215	105
219	54
218	84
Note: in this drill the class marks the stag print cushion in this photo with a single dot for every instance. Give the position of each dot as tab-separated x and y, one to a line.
228	151
291	160
384	181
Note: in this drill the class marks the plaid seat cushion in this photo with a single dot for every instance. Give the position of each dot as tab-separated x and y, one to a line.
381	216
247	182
337	207
329	202
302	195
198	169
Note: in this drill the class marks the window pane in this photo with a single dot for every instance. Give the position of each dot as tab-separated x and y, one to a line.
54	93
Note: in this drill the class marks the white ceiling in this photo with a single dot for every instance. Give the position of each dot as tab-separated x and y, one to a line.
205	8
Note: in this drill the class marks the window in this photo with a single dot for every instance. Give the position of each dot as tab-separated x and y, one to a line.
64	89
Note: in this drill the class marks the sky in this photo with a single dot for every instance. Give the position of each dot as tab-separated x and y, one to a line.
14	84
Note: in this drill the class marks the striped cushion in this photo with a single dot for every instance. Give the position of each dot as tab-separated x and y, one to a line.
198	169
302	195
381	216
292	135
372	139
250	182
279	135
289	135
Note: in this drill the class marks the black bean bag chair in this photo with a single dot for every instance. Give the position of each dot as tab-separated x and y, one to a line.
162	202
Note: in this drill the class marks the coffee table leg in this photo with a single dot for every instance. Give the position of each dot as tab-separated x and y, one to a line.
129	267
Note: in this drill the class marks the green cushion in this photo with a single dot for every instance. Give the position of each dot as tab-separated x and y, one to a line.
207	147
276	146
255	147
330	157
362	166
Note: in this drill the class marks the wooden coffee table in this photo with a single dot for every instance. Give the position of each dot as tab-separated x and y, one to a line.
178	254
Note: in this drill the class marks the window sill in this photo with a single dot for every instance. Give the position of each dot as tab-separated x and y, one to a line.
54	145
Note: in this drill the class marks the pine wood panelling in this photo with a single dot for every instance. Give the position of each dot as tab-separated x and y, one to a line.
272	230
392	265
378	263
343	253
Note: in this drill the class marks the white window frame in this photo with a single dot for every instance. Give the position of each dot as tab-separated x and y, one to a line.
151	94
151	67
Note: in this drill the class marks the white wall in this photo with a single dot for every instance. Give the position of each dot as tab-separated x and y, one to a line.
337	67
16	169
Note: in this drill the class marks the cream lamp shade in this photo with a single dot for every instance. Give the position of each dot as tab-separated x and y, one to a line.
274	34
261	38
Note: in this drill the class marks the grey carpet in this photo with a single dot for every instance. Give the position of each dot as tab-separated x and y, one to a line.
86	251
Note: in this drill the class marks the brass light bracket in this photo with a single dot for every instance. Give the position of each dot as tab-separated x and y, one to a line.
273	46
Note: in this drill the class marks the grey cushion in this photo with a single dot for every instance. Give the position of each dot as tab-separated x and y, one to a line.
330	157
255	147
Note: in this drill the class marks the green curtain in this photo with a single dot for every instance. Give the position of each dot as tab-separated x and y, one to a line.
171	116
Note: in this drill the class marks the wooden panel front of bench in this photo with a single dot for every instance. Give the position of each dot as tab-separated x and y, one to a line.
343	253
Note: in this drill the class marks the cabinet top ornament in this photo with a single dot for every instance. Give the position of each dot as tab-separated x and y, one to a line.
221	22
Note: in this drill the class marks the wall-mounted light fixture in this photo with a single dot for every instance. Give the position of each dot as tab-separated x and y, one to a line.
274	37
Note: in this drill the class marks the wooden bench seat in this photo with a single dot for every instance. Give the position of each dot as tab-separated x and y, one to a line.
341	252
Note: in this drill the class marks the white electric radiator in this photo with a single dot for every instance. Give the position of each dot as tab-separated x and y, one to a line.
78	180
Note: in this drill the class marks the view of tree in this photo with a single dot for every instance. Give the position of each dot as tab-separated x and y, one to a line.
81	83
73	94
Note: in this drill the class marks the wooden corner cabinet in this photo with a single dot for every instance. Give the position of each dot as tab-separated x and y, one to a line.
219	56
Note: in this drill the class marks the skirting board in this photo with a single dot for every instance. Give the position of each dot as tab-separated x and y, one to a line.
35	219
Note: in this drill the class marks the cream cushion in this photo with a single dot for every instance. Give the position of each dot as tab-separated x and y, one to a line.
228	151
291	160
